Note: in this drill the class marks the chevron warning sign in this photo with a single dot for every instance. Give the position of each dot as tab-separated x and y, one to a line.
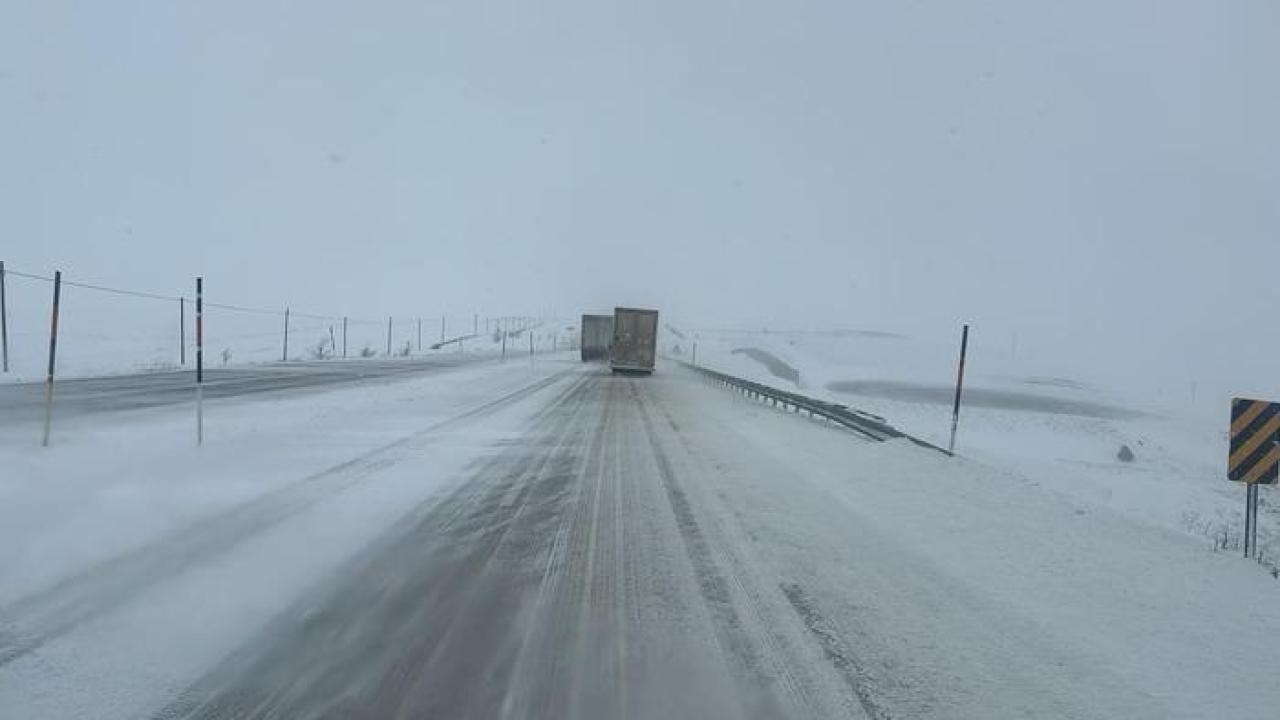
1255	442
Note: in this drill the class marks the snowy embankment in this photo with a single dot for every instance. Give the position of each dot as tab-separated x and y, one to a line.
1062	433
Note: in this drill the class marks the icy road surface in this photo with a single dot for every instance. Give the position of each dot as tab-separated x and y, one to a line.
24	402
558	542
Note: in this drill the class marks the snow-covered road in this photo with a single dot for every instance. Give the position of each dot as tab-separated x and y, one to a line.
75	397
558	542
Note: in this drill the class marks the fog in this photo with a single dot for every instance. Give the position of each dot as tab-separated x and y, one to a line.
1099	178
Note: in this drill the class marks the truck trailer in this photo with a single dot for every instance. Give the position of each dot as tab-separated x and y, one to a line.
597	333
635	340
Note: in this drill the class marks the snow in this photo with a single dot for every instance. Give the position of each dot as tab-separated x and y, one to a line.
106	333
875	578
959	589
287	490
1177	482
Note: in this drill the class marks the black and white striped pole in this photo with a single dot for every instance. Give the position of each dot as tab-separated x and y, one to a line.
955	413
199	361
53	356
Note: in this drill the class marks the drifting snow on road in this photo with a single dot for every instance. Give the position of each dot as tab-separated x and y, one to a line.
557	542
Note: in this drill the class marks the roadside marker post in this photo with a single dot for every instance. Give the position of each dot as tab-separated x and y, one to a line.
442	317
344	337
182	331
419	334
955	412
4	321
1254	457
388	337
284	355
333	344
53	356
199	361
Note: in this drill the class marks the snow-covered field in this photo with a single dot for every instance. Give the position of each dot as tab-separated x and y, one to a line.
106	333
1061	432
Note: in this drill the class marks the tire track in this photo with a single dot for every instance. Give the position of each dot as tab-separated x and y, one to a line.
422	624
37	619
742	651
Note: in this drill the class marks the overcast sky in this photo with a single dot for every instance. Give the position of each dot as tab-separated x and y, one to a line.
1102	177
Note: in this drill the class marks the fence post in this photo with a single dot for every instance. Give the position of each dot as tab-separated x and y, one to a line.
199	361
53	354
284	356
955	413
182	331
4	321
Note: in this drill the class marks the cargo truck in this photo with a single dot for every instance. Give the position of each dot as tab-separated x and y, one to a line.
635	340
597	333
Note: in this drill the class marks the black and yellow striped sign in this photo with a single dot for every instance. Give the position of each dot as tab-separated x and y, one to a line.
1255	441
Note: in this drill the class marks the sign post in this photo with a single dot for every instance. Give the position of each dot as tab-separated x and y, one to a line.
1255	457
955	413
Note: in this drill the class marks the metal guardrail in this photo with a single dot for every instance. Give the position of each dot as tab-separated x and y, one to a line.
867	425
452	341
